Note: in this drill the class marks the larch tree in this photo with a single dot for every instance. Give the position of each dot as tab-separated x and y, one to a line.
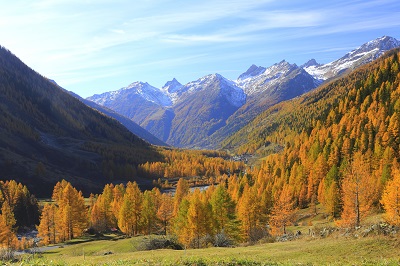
149	212
282	213
7	222
119	191
72	216
182	189
131	209
248	211
223	212
198	218
180	223
126	221
391	199
358	191
165	211
97	216
102	215
47	226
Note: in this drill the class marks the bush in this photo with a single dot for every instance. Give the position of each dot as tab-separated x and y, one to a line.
222	240
158	243
258	233
6	254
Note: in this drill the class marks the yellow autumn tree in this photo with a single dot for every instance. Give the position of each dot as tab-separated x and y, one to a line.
47	226
198	218
282	213
391	199
166	211
248	212
149	212
131	208
358	191
182	189
72	216
8	238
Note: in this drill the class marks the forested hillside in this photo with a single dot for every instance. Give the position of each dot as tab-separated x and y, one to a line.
47	135
339	142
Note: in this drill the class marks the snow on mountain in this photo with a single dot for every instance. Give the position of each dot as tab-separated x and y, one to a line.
144	90
252	72
171	89
310	63
232	92
362	55
171	86
228	89
255	80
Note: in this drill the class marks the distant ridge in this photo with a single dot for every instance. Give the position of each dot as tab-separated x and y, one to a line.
162	111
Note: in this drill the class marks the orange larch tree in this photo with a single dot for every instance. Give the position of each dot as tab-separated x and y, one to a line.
165	211
7	221
358	191
47	226
198	218
130	212
391	199
282	213
72	216
149	212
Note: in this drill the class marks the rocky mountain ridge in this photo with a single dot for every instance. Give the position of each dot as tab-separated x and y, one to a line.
158	110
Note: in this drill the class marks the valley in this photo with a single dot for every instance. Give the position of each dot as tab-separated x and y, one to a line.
308	165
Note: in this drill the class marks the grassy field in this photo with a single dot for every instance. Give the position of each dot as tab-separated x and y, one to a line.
336	249
376	250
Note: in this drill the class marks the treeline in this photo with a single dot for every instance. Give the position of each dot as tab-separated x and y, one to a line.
187	163
234	211
241	209
341	144
19	209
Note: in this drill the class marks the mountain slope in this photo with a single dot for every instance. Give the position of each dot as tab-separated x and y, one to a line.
346	98
143	104
129	124
338	146
203	107
267	87
47	135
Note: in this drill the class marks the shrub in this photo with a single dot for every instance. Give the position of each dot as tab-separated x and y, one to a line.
158	243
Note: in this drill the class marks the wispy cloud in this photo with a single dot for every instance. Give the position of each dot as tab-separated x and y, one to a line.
80	41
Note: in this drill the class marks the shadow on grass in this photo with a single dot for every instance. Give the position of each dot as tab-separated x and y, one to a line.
90	238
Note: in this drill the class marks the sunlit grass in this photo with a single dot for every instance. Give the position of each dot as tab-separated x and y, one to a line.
305	251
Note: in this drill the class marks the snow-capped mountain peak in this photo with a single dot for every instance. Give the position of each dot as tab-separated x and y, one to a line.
171	86
252	83
309	63
142	89
252	71
359	56
227	88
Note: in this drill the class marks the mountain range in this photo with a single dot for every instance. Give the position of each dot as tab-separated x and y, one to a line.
202	113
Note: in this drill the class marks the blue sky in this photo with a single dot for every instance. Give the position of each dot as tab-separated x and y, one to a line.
93	46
